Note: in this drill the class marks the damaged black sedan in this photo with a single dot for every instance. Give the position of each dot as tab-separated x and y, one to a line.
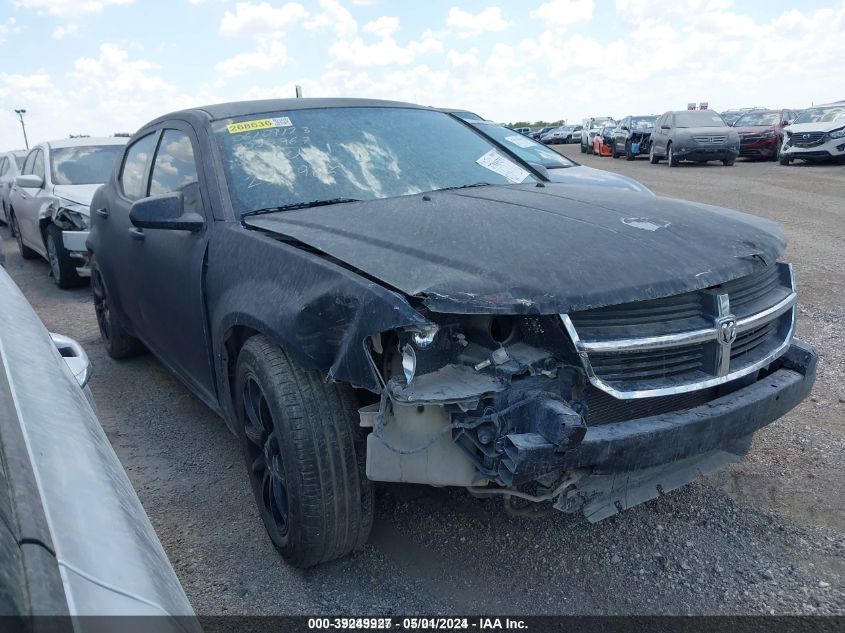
371	291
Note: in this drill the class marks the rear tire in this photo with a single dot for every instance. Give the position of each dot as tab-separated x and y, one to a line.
298	435
62	266
25	251
117	342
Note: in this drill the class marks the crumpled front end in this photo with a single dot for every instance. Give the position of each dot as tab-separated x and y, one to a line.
73	219
595	410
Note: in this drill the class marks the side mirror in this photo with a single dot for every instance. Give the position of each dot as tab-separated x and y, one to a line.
789	122
29	181
625	128
665	127
164	212
75	357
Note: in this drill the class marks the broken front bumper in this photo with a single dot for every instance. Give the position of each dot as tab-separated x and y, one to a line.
625	462
74	243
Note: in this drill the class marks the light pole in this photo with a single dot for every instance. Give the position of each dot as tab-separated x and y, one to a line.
20	114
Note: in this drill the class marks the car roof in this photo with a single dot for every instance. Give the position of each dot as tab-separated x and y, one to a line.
86	141
213	112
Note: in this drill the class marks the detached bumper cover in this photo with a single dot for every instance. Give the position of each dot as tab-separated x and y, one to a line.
623	447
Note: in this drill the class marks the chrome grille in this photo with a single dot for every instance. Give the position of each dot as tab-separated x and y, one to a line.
710	139
807	139
689	341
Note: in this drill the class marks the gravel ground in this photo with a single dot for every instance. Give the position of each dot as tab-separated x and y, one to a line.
765	536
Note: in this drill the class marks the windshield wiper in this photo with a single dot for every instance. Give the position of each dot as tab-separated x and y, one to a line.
299	205
475	184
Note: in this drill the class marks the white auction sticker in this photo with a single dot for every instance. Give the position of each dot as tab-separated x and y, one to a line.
519	140
494	161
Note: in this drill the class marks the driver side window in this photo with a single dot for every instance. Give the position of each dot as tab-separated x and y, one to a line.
38	164
175	171
27	166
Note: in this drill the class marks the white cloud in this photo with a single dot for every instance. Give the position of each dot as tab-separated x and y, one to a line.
469	25
67	7
266	56
65	30
383	26
8	27
384	52
334	14
257	18
561	14
466	59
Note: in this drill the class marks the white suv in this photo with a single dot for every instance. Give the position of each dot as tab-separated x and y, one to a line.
817	134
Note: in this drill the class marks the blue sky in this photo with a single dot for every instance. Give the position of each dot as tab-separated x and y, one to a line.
101	66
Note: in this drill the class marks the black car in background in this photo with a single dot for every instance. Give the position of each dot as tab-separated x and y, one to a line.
632	137
694	135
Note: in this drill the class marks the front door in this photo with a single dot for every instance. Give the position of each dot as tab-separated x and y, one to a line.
168	269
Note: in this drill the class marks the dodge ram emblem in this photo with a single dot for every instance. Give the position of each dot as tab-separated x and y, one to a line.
727	331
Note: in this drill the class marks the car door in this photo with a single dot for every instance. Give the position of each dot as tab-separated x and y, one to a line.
5	171
169	267
115	245
28	202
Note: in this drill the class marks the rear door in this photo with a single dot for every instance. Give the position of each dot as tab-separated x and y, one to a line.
169	267
115	246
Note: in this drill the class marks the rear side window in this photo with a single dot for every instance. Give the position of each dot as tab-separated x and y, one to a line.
4	166
135	166
174	169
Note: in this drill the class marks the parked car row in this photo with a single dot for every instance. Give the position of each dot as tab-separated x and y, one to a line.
704	135
372	291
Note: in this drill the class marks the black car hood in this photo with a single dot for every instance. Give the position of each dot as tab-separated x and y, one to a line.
524	249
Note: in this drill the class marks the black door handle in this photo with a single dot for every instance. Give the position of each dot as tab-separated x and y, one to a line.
137	234
103	213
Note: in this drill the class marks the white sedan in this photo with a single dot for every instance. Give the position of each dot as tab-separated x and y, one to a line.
49	203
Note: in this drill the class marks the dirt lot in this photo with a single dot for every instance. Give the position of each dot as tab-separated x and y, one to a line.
764	537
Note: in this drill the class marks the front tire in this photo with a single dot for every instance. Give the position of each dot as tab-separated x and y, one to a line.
117	342
583	148
729	162
671	160
298	435
61	263
629	155
613	151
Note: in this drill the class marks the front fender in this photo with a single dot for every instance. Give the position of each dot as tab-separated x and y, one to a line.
318	311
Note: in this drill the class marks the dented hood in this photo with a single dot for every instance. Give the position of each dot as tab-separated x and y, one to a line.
534	250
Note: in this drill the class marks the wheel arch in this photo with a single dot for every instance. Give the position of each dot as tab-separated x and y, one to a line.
234	336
